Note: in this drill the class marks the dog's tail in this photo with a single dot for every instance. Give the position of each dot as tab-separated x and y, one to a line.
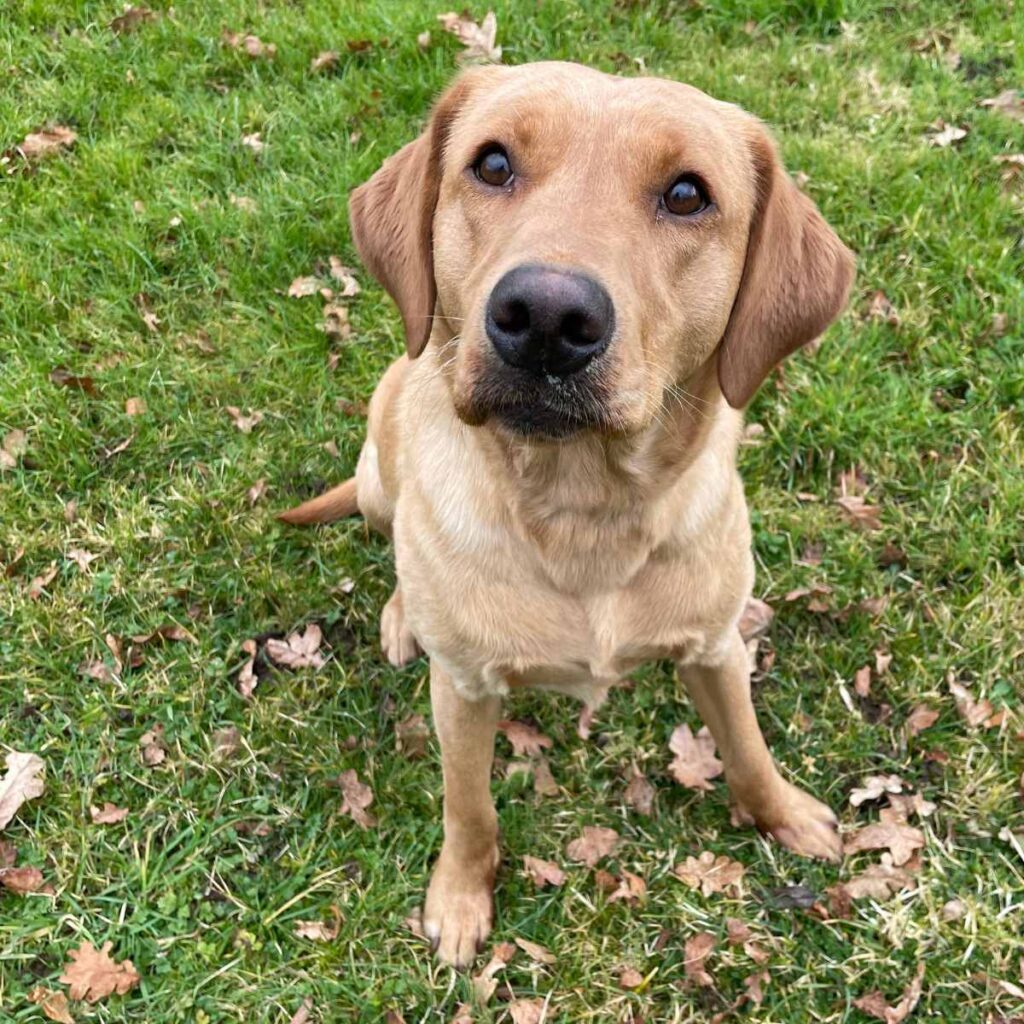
336	503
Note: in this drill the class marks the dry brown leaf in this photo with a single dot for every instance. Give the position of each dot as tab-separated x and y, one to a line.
695	763
131	20
319	931
8	855
756	618
14	445
356	796
1009	103
66	379
108	814
878	881
301	1015
900	839
942	135
920	718
485	982
711	873
880	308
535	951
345	276
862	681
639	793
874	787
882	662
739	934
543	872
302	287
697	950
37	586
53	1004
298	651
423	40
860	513
973	712
254	141
478	40
22	880
593	845
335	323
411	737
875	1005
326	60
528	1011
244	421
168	631
526	740
753	984
543	781
93	975
81	558
226	742
46	143
902	807
247	678
257	491
22	781
252	45
630	977
151	743
135	407
585	721
631	890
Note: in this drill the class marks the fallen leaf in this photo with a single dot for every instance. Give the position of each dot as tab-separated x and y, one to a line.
66	379
585	721
711	873
973	712
756	618
131	20
535	951
168	631
257	491
901	807
302	287
345	276
860	513
753	984
1009	103
226	742
526	740
298	651
335	323
739	934
955	910
81	558
53	1004
695	763
356	796
880	308
862	681
543	872
14	445
543	781
22	781
423	40
593	845
108	814
254	141
149	318
527	1011
301	1015
244	422
45	143
901	840
639	793
631	889
8	855
463	1014
485	982
38	584
151	743
878	881
696	952
411	737
630	977
252	45
93	975
331	448
942	135
22	880
874	787
478	40
319	931
247	678
920	718
135	407
243	203
875	1005
326	60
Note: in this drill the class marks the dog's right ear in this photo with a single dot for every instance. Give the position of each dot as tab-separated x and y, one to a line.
392	218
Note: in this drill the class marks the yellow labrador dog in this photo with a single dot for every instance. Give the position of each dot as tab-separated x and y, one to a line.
595	274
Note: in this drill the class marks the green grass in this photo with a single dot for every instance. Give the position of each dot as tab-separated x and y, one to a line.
931	410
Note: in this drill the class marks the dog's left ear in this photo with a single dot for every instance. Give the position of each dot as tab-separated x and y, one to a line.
392	217
795	281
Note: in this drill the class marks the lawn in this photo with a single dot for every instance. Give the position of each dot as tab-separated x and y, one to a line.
149	265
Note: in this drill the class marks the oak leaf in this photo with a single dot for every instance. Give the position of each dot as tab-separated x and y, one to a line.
639	793
756	618
53	1004
356	796
920	718
527	1011
526	739
535	951
22	781
874	1003
593	845
874	787
93	975
695	763
298	651
478	40
711	873
23	880
108	814
1009	103
543	872
696	952
901	840
411	737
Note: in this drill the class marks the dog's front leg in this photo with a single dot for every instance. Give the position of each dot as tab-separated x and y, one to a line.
721	692
459	908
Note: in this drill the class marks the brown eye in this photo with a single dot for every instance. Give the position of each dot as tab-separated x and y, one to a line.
492	167
685	197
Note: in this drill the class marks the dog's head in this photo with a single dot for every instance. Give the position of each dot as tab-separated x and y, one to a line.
582	244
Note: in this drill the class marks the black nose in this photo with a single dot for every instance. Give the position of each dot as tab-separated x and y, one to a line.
549	320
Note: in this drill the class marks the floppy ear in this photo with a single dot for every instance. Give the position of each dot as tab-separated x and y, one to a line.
392	218
794	284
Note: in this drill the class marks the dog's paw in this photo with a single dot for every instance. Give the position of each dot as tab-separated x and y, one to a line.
396	639
458	913
798	821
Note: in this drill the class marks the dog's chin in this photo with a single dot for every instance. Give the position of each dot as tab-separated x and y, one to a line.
542	423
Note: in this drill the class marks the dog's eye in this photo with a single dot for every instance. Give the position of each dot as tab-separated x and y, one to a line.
492	166
686	196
